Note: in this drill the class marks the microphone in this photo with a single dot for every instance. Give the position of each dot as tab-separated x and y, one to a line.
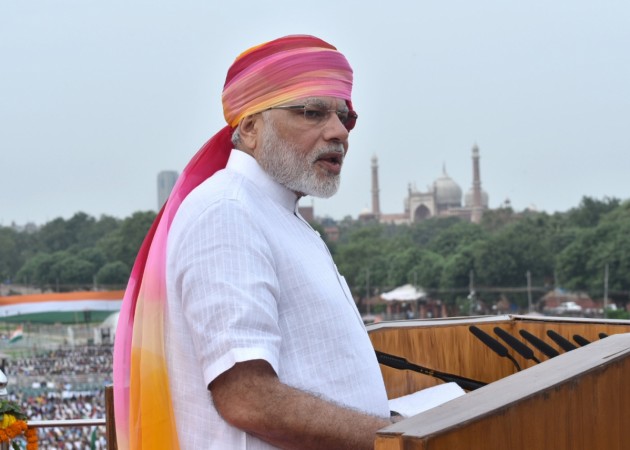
517	345
541	345
564	344
582	341
494	345
401	363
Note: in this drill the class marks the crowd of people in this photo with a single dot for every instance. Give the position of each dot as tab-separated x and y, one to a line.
63	384
80	360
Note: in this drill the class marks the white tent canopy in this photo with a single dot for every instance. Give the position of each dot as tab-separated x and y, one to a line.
111	321
404	293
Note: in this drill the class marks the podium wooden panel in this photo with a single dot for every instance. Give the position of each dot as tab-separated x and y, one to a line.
578	400
448	346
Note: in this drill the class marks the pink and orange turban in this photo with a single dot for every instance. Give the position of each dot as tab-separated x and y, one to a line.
283	70
289	68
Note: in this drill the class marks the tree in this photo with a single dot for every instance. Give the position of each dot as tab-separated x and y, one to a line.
572	261
590	211
607	244
54	236
93	255
363	256
37	270
60	234
422	233
451	239
456	270
72	272
114	273
581	263
400	266
81	227
123	243
428	270
495	219
516	249
10	259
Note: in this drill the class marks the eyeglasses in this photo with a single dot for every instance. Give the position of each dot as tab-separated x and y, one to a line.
319	114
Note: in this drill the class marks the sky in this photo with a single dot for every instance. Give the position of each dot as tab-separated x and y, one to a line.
97	97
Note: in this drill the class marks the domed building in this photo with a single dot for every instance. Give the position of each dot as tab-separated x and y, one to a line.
448	194
468	199
442	199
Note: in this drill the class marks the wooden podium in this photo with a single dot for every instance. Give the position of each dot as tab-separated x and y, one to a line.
577	400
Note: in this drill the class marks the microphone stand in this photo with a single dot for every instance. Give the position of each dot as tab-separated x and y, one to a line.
400	363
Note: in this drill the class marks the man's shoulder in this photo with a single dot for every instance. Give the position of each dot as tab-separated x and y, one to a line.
225	190
225	185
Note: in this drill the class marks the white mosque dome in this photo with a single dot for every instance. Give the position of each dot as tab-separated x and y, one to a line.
447	192
468	199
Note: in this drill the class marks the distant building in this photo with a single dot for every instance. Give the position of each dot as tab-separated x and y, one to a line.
165	182
442	199
563	303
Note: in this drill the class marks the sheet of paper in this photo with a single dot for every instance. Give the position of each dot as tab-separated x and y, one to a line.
412	404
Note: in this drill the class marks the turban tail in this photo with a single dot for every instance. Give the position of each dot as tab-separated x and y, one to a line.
270	74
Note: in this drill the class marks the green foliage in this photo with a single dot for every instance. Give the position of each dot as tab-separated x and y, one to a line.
422	233
441	255
401	265
508	254
79	231
37	270
582	263
113	273
453	238
92	255
456	273
428	269
617	314
12	408
122	244
73	254
9	254
591	210
70	269
363	259
496	219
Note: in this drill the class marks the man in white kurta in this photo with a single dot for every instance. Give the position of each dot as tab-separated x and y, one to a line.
263	346
248	278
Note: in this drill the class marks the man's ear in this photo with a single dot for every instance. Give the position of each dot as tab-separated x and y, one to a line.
250	129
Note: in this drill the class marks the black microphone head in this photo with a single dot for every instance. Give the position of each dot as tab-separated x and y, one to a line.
491	342
582	341
541	345
395	362
517	345
564	343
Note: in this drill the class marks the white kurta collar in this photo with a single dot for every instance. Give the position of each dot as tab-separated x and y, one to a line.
247	166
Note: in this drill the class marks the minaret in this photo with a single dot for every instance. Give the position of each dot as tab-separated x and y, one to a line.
477	208
376	207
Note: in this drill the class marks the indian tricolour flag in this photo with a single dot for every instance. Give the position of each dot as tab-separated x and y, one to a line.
17	334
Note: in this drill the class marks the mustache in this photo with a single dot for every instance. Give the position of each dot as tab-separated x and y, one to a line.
330	149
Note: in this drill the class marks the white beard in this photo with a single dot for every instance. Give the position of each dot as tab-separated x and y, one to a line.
283	162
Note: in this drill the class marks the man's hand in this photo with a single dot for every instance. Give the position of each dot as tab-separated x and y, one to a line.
250	396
